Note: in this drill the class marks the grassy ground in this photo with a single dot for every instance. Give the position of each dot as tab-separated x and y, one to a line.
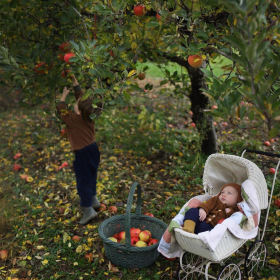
166	162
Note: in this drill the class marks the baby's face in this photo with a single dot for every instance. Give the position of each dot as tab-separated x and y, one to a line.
229	196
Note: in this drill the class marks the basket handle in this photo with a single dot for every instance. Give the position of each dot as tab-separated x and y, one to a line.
128	211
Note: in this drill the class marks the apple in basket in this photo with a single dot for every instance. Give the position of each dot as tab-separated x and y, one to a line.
141	243
134	232
116	235
144	236
149	214
152	242
220	221
121	235
113	239
134	240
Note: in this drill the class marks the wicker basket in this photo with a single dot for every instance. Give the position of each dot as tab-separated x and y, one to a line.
126	255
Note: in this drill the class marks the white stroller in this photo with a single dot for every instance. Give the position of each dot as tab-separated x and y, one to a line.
196	257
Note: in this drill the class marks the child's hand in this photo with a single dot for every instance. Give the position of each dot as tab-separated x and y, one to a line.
202	214
74	80
64	94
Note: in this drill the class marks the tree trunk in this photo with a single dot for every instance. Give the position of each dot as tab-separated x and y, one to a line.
200	102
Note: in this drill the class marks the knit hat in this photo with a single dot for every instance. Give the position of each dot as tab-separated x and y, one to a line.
237	187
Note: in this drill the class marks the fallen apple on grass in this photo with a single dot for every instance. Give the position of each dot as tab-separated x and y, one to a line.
89	257
272	171
266	143
29	179
18	155
76	238
277	202
3	254
113	209
102	207
61	210
17	167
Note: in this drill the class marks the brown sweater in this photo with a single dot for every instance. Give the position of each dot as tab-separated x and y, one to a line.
80	132
215	210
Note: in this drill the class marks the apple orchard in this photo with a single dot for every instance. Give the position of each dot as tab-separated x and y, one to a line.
228	53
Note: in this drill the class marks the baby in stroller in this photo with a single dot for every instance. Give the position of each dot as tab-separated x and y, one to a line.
211	212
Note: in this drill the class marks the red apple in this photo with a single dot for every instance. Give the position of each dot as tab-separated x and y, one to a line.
63	132
89	257
111	53
193	124
76	238
149	214
141	76
191	113
215	123
121	235
220	221
61	210
195	61
64	73
134	240
65	47
113	209
214	107
134	232
272	171
152	242
23	176
102	207
149	233
16	167
224	123
266	143
61	56
139	10
41	68
68	56
18	155
141	243
3	254
116	235
64	164
271	140
158	16
144	236
277	202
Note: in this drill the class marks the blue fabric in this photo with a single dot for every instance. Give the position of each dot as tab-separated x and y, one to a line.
201	226
85	165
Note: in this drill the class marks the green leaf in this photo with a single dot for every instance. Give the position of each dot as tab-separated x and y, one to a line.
74	45
251	115
152	24
237	43
273	132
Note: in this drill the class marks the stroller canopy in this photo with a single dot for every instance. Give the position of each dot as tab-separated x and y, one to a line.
221	169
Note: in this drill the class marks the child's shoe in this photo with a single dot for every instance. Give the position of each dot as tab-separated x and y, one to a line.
95	203
189	226
88	214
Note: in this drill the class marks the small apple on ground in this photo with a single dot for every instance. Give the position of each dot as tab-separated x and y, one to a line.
195	61
149	214
63	132
61	210
102	207
23	176
139	10
272	171
193	124
18	155
224	123
134	232
266	143
76	238
152	242
17	167
144	236
277	202
113	209
68	56
89	257
271	140
141	243
64	164
134	240
3	254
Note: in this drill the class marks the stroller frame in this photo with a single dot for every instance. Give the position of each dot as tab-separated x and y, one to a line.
193	265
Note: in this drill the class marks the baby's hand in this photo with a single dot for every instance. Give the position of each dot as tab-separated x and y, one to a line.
227	210
202	214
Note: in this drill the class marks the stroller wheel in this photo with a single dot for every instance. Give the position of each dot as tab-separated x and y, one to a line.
230	272
255	258
190	267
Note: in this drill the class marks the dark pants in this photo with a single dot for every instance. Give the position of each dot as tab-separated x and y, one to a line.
201	226
85	166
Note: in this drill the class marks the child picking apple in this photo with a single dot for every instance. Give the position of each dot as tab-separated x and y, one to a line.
81	134
209	213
